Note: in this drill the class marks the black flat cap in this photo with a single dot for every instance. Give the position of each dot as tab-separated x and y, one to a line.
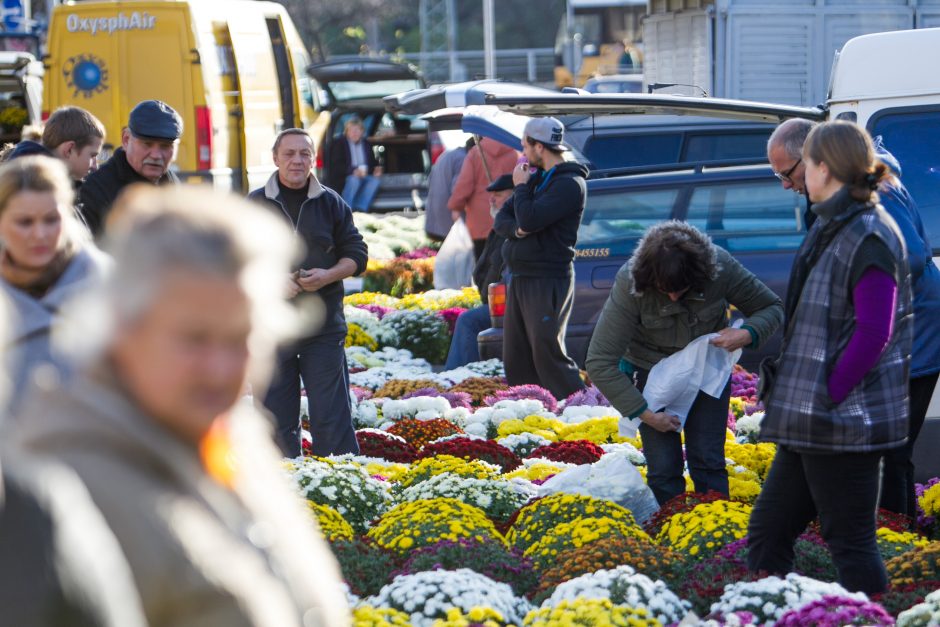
155	119
501	183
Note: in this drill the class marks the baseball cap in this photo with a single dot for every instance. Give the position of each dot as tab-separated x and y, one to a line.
501	183
156	119
549	131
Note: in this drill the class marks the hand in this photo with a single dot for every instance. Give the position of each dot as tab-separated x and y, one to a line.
360	173
520	233
455	215
520	176
378	171
313	279
732	339
293	287
661	421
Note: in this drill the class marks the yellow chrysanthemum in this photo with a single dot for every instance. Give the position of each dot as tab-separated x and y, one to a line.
368	616
332	523
589	613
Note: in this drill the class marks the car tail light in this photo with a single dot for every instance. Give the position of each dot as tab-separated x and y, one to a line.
437	146
320	164
496	297
203	138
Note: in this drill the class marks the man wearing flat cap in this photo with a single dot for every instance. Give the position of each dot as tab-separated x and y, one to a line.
540	223
148	147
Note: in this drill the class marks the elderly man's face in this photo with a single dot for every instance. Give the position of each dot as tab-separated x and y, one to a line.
150	158
294	160
185	360
791	170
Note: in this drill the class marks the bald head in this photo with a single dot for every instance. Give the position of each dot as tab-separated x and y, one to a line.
785	153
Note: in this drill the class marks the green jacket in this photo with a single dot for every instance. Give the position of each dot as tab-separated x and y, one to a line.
645	328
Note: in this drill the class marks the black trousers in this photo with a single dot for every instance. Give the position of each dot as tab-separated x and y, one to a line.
537	312
897	483
843	490
321	362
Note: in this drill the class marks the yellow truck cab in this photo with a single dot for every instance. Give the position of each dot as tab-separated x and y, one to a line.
234	70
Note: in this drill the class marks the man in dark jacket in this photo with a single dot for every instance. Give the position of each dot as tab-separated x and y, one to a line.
353	170
541	223
148	147
334	250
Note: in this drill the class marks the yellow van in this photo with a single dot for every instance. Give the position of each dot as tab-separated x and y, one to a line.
234	70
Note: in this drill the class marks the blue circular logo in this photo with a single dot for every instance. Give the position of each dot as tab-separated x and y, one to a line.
86	74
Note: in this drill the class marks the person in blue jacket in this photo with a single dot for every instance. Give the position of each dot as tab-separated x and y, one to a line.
333	250
897	488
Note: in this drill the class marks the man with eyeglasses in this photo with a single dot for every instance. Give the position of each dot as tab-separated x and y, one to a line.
785	153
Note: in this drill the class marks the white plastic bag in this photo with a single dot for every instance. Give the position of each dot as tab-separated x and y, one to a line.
453	266
675	381
613	478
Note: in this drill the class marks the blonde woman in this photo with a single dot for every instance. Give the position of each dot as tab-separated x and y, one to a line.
46	258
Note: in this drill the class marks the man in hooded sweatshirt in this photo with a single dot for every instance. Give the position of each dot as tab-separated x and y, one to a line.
540	222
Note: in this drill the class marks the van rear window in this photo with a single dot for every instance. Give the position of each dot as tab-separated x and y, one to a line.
913	137
721	146
627	151
610	218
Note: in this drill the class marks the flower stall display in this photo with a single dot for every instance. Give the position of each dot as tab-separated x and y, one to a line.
837	611
589	613
498	498
429	595
426	522
623	586
332	524
768	599
487	557
424	469
346	487
705	529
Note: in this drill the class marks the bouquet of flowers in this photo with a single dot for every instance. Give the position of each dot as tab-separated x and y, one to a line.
424	469
499	499
919	564
424	334
572	452
537	470
540	516
705	529
487	450
455	399
525	392
624	586
425	522
420	432
420	407
365	566
577	533
546	428
331	523
487	557
677	505
589	396
644	556
368	616
523	443
770	598
431	594
589	613
345	487
377	443
480	387
596	430
837	611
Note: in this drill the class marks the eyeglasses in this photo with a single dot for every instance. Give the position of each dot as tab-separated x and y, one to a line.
785	176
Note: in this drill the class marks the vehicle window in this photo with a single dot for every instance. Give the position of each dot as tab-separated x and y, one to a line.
354	90
748	216
612	216
913	137
625	151
306	92
717	147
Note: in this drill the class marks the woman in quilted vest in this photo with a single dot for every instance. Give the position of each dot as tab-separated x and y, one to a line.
840	396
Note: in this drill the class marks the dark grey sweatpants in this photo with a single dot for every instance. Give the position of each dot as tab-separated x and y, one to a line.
537	312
